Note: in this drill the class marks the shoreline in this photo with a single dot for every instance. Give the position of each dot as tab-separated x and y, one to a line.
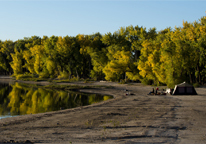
138	118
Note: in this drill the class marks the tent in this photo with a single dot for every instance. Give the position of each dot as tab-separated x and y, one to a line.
184	89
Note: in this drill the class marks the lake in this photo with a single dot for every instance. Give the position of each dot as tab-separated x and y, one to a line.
17	99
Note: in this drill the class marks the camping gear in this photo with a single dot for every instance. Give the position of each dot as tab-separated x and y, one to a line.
169	91
184	89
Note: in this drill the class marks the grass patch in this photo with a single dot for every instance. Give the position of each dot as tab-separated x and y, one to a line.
62	81
29	77
73	87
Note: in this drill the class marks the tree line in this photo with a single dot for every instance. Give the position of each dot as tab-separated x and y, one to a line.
169	56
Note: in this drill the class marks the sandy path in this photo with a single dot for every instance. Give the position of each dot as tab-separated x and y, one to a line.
137	118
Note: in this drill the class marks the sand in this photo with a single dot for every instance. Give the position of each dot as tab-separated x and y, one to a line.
125	119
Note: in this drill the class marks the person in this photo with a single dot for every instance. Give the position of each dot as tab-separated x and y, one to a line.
156	90
152	92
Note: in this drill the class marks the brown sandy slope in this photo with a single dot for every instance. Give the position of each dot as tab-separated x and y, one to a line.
126	119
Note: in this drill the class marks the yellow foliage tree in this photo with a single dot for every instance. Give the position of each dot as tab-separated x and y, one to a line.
37	52
16	64
119	65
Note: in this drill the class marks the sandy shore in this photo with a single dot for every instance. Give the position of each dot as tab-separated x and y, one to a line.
126	119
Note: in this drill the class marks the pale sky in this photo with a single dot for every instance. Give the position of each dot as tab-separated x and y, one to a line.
26	18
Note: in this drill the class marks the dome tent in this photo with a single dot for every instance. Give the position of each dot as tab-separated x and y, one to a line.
184	89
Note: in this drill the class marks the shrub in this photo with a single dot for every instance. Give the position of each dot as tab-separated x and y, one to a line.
196	85
122	81
146	81
44	74
74	79
24	76
63	75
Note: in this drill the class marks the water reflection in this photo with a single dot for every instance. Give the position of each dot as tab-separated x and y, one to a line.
17	99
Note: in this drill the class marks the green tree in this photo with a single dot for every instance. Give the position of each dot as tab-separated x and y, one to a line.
97	52
7	47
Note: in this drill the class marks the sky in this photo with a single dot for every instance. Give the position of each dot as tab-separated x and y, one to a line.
26	18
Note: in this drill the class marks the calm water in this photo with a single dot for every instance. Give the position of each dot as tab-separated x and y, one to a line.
17	99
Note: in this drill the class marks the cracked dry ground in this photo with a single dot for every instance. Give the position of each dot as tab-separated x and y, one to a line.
137	118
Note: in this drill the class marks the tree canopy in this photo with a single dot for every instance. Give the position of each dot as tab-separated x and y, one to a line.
133	53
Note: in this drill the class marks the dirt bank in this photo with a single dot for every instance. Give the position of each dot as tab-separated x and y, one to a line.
137	118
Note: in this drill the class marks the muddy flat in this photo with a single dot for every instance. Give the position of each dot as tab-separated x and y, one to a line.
125	119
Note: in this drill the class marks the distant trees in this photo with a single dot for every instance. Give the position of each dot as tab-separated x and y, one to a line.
175	56
167	57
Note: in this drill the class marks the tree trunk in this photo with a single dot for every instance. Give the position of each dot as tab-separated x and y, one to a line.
77	74
198	79
70	73
190	78
125	76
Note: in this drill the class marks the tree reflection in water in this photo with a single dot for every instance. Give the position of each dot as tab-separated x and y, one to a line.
17	99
